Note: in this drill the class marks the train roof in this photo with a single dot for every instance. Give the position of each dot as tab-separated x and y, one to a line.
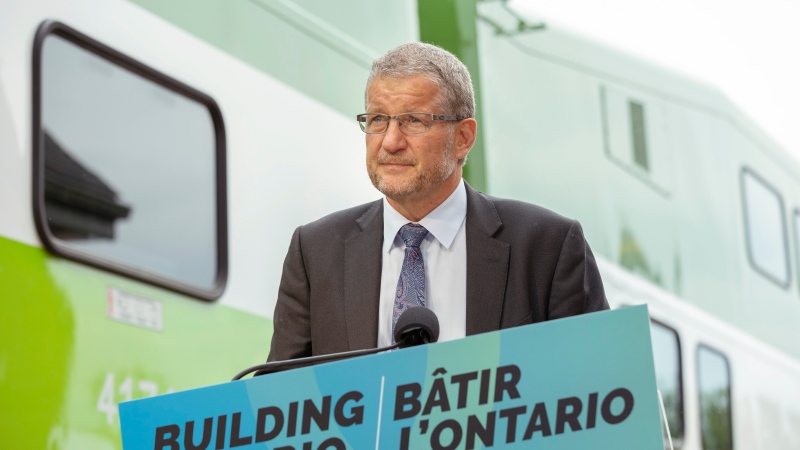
569	48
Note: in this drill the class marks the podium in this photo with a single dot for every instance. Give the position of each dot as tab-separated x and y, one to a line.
584	382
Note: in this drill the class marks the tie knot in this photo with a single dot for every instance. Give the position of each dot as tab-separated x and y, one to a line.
413	234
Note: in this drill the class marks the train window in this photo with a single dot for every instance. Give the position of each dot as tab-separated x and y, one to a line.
129	166
636	135
714	389
764	228
667	357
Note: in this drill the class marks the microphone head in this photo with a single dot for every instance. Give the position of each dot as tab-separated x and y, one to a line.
416	326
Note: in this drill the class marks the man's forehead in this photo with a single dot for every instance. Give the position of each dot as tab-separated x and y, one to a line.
388	91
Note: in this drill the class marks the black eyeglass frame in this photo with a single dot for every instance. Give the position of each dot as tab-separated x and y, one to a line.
362	120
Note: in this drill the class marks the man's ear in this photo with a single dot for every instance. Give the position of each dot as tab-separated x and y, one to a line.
465	135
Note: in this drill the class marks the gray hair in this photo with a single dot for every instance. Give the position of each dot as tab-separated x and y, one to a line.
437	64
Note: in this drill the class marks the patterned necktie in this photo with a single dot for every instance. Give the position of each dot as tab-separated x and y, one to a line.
411	285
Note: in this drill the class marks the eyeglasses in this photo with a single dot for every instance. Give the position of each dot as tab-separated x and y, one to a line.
409	123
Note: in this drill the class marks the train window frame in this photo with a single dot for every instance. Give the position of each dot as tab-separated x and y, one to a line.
729	391
748	243
677	442
57	247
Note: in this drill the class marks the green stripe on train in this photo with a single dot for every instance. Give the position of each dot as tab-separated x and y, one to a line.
64	364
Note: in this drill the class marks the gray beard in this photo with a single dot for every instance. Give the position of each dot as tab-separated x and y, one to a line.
421	183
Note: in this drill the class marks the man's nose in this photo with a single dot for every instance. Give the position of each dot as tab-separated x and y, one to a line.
394	139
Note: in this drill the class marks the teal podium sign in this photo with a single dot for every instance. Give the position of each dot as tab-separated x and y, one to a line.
584	382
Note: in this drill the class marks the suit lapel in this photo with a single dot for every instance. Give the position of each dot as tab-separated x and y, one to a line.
487	265
362	279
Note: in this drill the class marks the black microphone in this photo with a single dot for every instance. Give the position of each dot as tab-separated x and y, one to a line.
415	326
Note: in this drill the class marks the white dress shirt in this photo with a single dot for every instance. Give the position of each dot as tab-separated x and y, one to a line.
444	254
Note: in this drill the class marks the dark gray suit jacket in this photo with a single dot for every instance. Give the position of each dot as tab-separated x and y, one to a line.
525	264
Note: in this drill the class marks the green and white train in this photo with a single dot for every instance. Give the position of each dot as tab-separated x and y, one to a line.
155	157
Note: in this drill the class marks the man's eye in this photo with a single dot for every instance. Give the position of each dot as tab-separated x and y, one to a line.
377	119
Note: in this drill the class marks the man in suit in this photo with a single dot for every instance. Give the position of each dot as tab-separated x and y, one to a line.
479	262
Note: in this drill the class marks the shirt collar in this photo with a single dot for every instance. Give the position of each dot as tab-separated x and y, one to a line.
442	223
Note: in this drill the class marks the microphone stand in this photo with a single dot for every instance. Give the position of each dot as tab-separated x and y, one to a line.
416	326
274	366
